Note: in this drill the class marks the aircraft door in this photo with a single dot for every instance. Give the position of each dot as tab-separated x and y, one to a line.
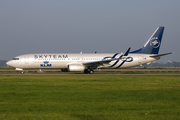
82	59
139	59
26	59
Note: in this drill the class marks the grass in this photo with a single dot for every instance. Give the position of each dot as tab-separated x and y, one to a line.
86	97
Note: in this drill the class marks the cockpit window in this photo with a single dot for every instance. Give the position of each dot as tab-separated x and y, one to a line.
15	58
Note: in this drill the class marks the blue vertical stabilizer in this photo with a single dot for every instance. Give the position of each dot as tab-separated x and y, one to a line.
153	44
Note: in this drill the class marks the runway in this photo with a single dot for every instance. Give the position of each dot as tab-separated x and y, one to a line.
80	74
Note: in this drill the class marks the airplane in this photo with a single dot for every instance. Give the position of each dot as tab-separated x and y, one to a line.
88	62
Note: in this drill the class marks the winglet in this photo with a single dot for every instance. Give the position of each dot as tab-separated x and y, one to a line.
127	52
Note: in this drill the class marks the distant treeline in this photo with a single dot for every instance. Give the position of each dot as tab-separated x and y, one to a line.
168	64
156	64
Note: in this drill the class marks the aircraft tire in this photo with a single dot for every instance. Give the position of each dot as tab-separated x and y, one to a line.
86	71
91	72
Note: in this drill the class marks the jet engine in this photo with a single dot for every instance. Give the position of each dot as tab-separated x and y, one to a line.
76	68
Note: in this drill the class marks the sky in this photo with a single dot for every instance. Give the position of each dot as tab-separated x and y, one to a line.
72	26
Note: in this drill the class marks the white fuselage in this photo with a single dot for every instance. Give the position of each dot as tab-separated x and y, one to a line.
62	60
87	62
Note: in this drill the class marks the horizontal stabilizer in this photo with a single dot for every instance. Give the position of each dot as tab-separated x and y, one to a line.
159	55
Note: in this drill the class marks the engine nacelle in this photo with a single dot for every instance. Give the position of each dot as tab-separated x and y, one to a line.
75	68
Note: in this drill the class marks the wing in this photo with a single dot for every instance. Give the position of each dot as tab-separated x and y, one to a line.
95	64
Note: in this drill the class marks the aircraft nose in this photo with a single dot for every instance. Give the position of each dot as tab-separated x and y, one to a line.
9	63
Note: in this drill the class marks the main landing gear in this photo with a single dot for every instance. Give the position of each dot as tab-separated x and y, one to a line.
88	71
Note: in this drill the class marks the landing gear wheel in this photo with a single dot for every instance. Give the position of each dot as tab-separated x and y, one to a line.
86	71
91	71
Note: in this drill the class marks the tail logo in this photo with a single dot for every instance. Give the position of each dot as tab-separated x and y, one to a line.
155	43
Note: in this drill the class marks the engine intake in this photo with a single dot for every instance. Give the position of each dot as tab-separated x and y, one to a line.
75	68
